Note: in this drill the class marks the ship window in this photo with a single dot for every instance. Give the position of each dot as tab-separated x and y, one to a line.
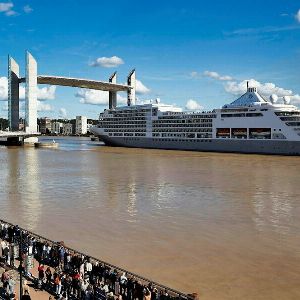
232	115
292	123
254	115
259	133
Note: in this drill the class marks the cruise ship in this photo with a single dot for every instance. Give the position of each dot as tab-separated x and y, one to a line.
250	124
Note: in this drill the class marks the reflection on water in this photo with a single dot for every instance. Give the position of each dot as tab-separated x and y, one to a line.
12	186
31	182
273	210
131	207
224	225
22	185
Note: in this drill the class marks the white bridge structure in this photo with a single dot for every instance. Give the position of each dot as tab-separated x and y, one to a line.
32	79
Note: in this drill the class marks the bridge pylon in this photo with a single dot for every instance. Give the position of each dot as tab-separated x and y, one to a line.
31	94
131	82
13	94
112	95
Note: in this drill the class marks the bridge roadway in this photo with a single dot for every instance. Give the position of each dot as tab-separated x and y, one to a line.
82	83
15	134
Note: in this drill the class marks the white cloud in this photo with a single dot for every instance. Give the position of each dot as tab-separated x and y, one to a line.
194	74
122	99
46	93
22	92
107	62
97	97
62	113
295	99
6	7
44	106
217	76
141	88
193	105
298	16
27	9
237	88
3	88
259	31
265	89
10	13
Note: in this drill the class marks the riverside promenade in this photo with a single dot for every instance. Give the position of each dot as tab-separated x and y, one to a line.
54	269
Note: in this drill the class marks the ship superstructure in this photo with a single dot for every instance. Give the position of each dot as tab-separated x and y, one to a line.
250	124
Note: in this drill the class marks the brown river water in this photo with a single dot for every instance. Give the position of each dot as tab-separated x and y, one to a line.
224	225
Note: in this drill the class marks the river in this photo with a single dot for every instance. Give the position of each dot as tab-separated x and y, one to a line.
224	225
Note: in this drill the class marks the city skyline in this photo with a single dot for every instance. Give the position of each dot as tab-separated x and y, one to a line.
196	55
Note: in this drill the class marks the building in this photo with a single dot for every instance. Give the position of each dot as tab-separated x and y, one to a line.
21	124
89	125
56	128
67	129
45	125
81	125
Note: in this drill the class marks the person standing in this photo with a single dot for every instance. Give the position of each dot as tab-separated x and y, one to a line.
57	282
11	286
88	267
5	280
41	276
81	270
5	251
61	252
123	283
147	294
48	274
76	285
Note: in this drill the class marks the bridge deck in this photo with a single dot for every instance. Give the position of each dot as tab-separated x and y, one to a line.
8	134
82	83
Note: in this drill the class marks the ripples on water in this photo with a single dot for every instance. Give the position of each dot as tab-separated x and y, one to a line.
225	225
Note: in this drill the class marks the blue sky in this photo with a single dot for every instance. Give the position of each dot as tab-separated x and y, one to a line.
195	52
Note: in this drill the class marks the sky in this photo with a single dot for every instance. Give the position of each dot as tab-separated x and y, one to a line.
195	54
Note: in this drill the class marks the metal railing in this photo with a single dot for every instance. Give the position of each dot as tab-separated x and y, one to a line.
160	287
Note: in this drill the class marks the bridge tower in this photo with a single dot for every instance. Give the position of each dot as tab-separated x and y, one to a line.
31	94
13	94
112	95
131	82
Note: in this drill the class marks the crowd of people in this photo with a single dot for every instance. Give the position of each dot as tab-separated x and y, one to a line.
68	274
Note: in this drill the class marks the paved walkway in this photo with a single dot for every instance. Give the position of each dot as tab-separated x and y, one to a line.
34	293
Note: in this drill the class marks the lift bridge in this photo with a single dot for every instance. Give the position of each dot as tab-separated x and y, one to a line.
32	79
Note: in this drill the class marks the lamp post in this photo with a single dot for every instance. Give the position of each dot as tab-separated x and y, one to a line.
21	263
